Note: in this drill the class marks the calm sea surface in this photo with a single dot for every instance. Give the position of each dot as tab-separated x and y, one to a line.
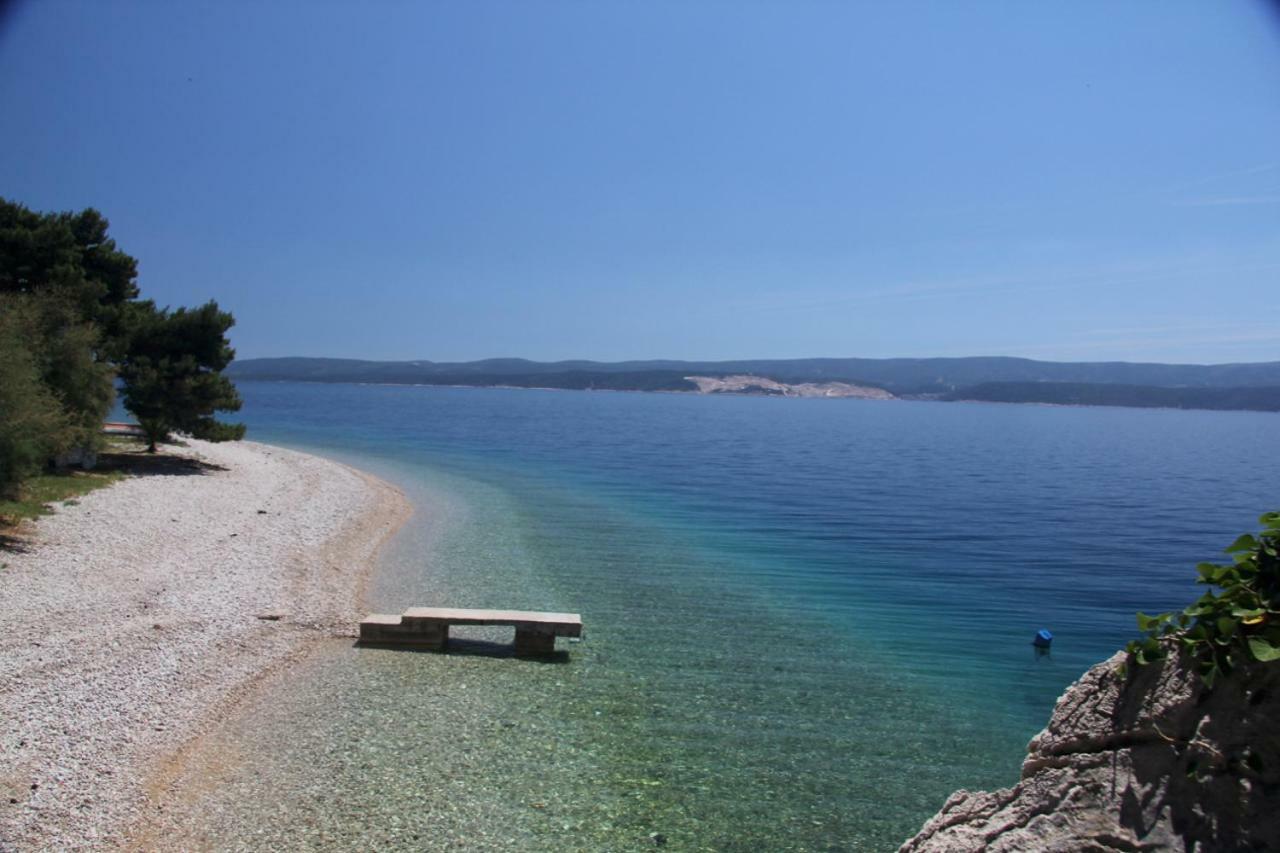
808	621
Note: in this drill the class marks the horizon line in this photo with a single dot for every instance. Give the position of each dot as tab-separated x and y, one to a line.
749	358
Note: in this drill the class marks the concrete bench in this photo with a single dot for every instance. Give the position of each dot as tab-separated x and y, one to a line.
428	627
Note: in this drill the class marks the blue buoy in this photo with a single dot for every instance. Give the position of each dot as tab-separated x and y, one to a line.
1042	641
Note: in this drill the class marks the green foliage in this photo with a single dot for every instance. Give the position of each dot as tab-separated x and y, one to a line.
66	348
63	284
54	393
172	374
1239	623
33	424
71	256
69	317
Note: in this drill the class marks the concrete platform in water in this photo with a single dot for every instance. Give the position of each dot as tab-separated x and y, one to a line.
428	627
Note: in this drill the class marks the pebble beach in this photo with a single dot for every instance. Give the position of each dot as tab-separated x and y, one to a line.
140	615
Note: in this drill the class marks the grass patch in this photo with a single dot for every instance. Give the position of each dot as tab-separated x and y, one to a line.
40	492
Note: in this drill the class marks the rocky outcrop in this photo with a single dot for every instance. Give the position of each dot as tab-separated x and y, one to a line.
1148	760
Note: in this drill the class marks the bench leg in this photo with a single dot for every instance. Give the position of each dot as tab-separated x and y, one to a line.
432	636
529	643
435	637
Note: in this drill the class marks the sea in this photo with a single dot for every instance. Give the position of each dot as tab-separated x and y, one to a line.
808	621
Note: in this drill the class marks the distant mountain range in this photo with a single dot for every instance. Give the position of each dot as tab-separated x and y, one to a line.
1194	386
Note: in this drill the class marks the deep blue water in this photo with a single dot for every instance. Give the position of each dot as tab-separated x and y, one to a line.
795	600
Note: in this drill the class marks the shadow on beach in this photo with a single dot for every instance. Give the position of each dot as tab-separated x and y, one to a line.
13	544
142	464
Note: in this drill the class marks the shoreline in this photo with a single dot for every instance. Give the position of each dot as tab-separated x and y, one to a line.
141	616
905	398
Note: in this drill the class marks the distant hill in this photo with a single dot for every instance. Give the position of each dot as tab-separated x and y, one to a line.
1259	398
901	376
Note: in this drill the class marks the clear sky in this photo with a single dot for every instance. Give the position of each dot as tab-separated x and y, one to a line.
1073	180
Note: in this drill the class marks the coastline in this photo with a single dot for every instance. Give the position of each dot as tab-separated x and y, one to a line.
898	398
139	617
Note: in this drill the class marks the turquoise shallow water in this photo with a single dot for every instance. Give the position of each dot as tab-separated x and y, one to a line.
808	620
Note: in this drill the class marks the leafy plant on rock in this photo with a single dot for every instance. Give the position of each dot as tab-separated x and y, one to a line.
1241	622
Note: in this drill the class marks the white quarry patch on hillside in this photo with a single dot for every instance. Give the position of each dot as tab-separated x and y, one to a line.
744	384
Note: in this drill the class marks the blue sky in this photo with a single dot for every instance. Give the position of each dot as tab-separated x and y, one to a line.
1075	181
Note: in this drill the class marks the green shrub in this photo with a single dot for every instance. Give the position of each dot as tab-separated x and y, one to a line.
33	423
1240	623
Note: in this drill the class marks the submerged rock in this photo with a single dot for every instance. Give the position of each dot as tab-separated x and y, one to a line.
1148	760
